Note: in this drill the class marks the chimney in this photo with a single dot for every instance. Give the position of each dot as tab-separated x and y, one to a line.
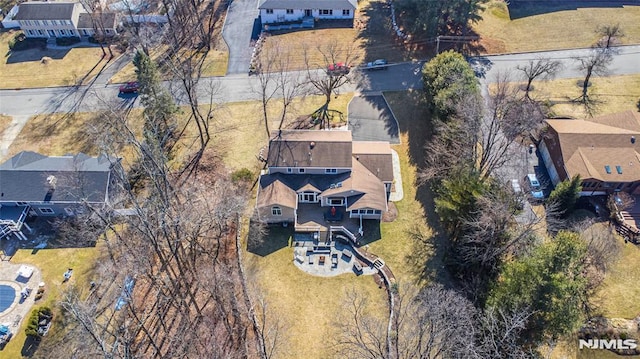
52	180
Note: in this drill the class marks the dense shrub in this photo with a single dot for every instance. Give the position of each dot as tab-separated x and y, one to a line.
37	314
67	41
21	42
241	175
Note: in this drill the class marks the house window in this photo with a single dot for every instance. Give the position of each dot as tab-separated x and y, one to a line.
269	11
331	170
276	211
336	201
300	170
68	22
346	12
326	12
369	211
377	211
289	170
308	197
289	11
46	210
40	32
21	203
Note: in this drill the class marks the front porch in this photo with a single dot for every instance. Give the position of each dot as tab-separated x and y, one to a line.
313	218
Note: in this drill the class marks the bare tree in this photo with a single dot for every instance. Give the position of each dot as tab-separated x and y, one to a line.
277	83
332	74
432	323
502	332
610	35
540	68
595	63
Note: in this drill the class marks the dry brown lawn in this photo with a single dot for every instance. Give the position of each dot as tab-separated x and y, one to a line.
24	69
553	30
5	121
215	65
612	94
620	291
370	38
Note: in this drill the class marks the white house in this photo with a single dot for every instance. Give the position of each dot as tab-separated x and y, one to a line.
62	19
277	11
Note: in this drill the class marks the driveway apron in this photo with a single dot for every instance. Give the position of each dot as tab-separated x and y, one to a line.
241	26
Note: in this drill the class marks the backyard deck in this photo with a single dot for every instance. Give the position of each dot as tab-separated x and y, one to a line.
313	218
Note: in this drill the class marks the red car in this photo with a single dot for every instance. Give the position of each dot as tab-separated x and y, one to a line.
339	68
129	87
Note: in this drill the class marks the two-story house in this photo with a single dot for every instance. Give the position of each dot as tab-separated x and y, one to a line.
604	150
318	178
62	19
32	184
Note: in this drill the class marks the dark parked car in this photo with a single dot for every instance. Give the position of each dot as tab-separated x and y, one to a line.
379	64
129	87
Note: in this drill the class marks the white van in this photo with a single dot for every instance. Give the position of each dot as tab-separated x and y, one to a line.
534	186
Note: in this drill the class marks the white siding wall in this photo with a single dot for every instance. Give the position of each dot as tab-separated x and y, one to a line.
307	170
48	28
280	15
548	163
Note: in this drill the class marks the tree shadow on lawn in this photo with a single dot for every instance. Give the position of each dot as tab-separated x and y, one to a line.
380	41
520	9
264	241
35	55
428	253
30	346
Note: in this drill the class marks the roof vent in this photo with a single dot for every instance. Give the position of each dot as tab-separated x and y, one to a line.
633	139
312	144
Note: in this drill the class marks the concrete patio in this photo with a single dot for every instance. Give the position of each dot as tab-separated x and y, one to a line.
308	256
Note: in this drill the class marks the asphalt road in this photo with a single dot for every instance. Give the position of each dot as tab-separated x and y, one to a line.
241	87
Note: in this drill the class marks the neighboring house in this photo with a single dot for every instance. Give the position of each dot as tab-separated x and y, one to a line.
89	25
60	19
319	177
32	184
277	11
603	150
8	22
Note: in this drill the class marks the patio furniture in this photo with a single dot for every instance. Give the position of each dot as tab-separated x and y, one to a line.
321	260
357	267
310	259
299	258
347	253
25	271
334	260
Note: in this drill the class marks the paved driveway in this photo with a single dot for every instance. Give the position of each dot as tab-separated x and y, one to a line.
239	27
370	119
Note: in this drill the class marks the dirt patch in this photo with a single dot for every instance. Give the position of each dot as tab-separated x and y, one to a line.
391	214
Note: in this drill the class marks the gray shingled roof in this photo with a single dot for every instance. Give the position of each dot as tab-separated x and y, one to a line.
307	4
302	148
45	11
24	178
108	20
